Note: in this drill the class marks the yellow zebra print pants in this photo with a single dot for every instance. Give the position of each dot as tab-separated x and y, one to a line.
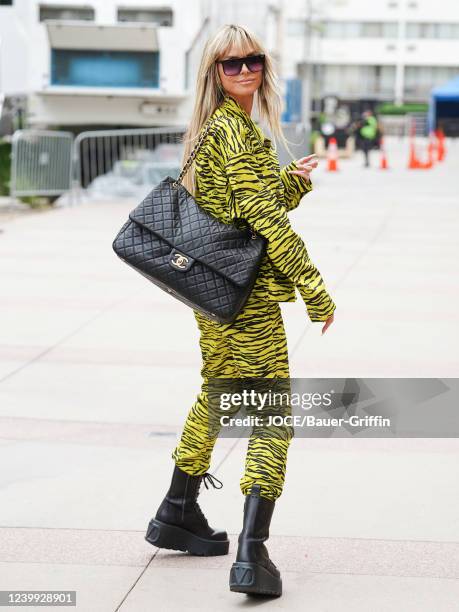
253	345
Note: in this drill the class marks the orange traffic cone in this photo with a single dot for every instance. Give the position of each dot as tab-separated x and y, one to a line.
383	160
332	155
430	155
440	144
413	161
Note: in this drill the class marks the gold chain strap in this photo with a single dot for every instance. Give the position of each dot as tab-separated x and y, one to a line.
189	161
192	155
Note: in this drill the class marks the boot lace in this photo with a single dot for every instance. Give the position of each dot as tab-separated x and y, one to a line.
207	477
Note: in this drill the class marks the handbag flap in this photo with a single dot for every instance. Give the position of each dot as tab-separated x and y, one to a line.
172	214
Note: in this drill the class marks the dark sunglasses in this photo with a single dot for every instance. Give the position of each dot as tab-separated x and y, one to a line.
232	67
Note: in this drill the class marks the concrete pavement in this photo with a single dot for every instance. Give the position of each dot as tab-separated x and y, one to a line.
98	369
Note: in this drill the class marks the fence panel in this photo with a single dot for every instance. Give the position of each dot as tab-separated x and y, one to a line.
95	152
41	163
417	122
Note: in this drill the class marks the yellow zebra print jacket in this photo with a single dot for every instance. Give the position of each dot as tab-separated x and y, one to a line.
237	175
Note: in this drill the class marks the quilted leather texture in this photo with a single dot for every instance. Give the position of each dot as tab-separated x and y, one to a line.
209	265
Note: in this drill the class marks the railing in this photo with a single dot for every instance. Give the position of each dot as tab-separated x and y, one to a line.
95	152
420	123
41	163
402	125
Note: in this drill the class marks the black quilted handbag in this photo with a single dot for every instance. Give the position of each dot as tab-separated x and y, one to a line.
209	265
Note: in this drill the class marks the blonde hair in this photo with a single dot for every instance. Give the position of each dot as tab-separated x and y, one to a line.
210	92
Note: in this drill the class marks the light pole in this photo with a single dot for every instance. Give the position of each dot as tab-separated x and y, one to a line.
400	63
306	66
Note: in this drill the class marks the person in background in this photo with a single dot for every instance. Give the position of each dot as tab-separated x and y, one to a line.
367	129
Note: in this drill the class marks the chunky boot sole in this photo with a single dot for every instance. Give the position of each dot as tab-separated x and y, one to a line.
255	579
164	535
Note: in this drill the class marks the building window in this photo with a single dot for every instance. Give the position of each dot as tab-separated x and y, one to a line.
75	13
432	30
419	80
341	29
160	16
378	30
88	68
354	81
360	29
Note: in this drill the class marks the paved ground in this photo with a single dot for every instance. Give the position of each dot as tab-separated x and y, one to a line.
98	370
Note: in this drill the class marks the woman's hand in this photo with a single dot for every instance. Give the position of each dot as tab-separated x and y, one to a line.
305	166
328	322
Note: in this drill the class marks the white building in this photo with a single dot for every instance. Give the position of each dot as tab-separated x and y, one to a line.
121	63
98	62
395	50
118	63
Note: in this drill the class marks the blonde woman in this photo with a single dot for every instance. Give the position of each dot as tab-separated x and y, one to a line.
237	176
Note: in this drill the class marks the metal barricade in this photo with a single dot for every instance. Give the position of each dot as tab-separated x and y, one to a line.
394	125
418	122
95	152
41	163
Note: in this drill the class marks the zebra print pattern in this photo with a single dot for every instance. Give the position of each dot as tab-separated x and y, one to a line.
238	175
252	346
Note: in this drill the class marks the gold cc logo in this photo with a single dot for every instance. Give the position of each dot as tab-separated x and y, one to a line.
180	260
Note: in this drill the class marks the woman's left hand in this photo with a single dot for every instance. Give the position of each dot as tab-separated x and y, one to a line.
305	166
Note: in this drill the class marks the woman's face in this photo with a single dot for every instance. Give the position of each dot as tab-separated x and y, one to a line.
243	84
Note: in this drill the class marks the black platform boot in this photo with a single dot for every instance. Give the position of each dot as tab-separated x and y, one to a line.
254	572
180	524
